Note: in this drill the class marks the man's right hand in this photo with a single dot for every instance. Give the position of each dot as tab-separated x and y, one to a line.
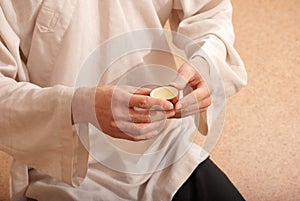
121	111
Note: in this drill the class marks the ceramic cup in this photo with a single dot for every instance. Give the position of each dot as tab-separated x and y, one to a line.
166	92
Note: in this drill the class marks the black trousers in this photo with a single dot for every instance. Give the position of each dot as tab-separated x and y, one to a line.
207	183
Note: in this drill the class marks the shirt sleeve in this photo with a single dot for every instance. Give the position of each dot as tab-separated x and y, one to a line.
35	122
208	24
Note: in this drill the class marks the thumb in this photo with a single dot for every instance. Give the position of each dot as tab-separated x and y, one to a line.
183	77
179	82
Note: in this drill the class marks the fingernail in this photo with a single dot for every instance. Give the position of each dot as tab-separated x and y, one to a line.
173	84
178	106
172	114
169	106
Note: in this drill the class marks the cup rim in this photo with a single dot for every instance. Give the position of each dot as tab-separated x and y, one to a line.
172	89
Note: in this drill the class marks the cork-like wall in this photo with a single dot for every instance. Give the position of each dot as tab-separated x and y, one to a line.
260	146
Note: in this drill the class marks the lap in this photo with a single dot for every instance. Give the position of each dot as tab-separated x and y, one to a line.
207	183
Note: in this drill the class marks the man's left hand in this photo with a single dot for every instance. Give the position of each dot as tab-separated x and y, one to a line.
196	91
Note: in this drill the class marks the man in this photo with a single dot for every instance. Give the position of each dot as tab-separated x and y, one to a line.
43	46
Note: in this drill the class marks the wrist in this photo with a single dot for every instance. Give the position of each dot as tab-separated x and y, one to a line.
83	110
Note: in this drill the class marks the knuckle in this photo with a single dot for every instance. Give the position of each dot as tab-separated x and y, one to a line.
154	116
199	96
133	119
147	118
143	118
161	115
143	103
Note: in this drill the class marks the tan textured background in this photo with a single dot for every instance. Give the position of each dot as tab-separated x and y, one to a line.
260	146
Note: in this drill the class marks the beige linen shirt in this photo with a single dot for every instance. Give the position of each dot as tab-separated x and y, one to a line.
43	44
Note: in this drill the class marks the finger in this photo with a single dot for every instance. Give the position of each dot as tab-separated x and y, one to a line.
179	82
133	90
187	90
148	116
142	91
140	137
193	109
147	102
196	96
121	134
142	129
185	74
149	135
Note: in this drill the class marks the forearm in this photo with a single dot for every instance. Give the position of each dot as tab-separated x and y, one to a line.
28	109
209	26
36	128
